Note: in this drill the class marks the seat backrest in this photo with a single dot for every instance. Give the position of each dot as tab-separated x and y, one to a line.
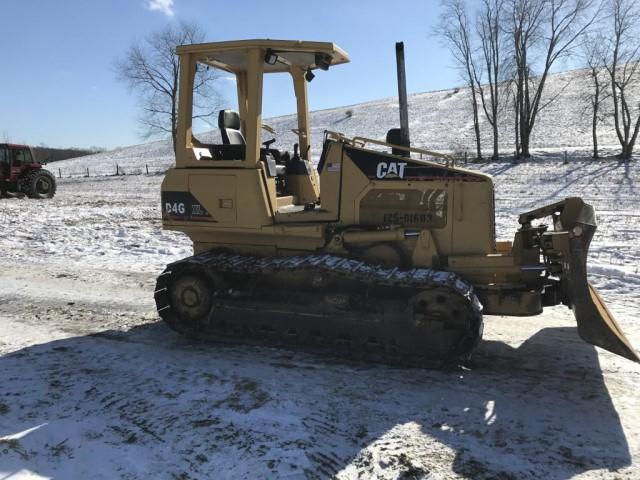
229	125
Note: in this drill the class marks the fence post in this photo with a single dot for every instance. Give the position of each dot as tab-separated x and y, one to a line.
87	171
117	170
147	167
59	173
565	157
465	157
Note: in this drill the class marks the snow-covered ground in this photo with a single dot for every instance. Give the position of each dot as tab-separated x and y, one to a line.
92	385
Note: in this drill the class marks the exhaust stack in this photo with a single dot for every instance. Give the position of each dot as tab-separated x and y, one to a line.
402	97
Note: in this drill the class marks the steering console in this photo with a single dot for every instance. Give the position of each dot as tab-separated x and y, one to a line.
268	143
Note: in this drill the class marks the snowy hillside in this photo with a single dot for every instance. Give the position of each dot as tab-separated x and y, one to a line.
93	385
438	121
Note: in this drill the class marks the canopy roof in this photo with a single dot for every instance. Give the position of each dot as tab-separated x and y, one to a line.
232	56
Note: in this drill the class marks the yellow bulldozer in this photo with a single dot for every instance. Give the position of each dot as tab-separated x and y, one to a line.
381	248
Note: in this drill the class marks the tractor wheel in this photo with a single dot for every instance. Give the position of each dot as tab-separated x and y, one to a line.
38	184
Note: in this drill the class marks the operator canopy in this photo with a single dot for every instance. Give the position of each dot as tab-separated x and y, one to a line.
280	55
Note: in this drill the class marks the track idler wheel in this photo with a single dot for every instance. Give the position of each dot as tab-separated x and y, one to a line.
452	327
191	296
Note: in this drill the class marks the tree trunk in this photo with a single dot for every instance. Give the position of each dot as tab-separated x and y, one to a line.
634	137
476	121
174	118
525	108
476	125
517	128
594	125
525	135
174	133
524	141
495	139
596	107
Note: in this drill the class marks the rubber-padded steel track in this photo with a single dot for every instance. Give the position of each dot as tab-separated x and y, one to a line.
322	301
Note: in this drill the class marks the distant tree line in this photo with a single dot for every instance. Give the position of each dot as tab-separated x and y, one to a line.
47	154
505	50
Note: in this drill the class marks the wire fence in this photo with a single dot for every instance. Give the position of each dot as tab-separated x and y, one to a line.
108	171
461	158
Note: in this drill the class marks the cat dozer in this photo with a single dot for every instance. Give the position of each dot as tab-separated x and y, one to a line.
383	249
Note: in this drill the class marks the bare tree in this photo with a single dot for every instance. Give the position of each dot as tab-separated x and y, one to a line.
550	30
151	69
524	28
492	42
623	67
453	28
596	97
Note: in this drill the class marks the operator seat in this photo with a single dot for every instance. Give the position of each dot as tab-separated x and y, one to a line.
229	125
234	144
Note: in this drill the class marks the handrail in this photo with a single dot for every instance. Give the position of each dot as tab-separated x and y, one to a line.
364	140
335	135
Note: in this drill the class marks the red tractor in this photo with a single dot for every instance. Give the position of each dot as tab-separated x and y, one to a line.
22	174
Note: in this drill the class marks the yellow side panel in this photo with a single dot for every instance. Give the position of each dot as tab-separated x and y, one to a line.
217	193
473	224
330	180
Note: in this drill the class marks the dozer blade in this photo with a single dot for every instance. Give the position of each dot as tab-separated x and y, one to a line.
574	224
596	324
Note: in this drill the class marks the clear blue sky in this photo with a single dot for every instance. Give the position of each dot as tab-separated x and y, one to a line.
58	87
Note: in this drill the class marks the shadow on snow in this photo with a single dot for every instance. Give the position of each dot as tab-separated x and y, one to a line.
147	401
